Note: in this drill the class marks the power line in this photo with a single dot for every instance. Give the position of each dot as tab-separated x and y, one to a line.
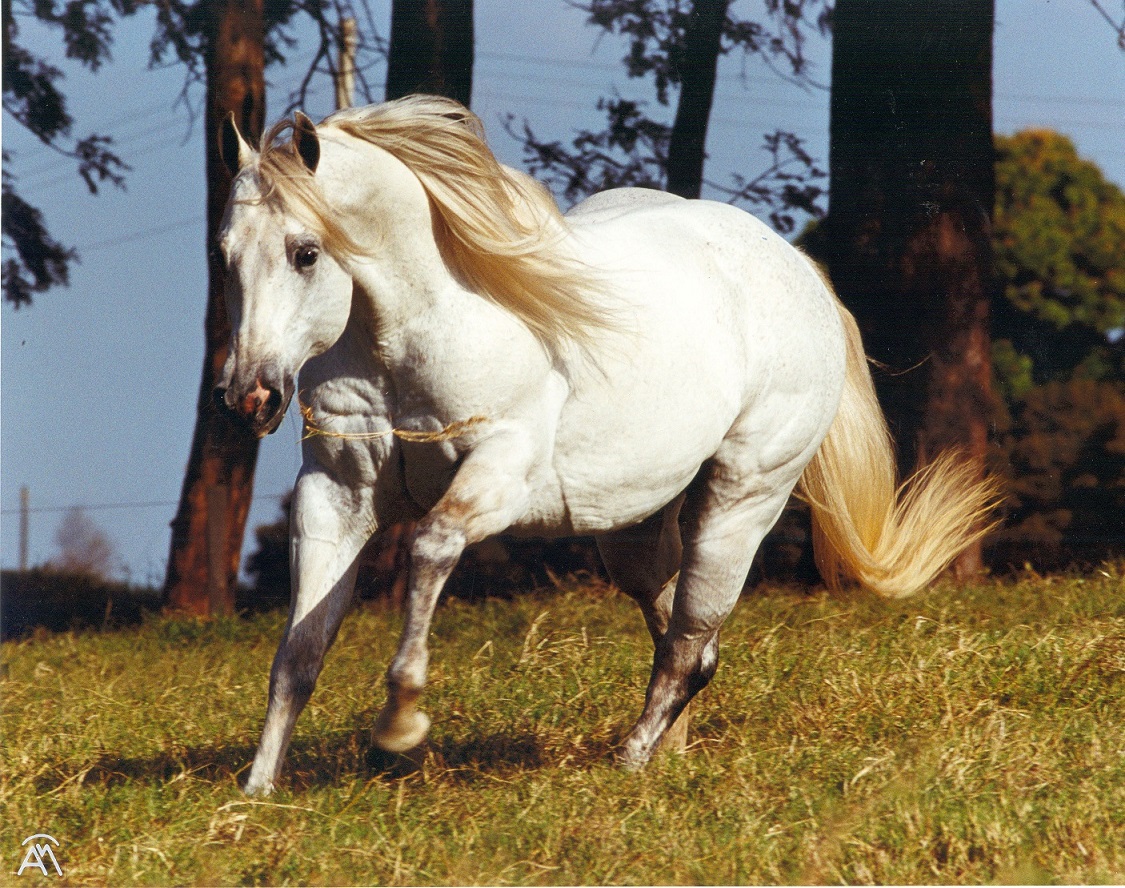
759	78
143	234
151	111
105	507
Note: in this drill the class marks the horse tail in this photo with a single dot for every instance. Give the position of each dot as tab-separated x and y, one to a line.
893	539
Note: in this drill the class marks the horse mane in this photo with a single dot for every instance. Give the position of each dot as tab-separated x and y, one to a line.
499	229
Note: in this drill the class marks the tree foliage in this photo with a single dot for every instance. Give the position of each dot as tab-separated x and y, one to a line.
34	261
1059	359
1061	448
33	98
633	147
1059	243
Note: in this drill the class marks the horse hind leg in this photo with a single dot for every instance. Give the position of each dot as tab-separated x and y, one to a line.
727	513
642	561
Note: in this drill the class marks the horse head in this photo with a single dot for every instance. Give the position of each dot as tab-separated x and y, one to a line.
287	297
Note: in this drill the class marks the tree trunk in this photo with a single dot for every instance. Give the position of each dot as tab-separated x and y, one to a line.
686	147
907	238
431	49
218	484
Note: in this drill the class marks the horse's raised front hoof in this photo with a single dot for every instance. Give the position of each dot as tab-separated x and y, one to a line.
401	732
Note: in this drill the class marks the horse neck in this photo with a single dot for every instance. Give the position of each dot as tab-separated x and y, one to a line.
406	285
403	272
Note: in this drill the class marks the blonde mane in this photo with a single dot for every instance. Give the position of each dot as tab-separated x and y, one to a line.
498	229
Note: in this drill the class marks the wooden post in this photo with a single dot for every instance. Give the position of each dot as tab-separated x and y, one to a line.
25	525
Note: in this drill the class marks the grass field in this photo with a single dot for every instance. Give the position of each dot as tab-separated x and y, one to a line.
964	736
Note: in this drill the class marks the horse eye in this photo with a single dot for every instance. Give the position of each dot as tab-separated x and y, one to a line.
305	257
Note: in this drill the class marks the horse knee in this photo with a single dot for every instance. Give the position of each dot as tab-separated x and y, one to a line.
438	543
296	668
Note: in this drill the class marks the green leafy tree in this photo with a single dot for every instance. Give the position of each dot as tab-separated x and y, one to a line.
1061	447
1059	244
1058	353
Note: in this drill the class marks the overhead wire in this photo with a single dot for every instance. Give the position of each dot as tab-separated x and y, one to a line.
30	180
103	507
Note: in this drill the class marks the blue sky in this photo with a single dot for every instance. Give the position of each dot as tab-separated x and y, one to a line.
99	380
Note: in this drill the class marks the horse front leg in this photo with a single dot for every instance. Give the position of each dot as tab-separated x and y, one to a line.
329	527
487	495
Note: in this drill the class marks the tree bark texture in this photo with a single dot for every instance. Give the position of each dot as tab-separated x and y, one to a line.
218	484
431	49
688	141
908	235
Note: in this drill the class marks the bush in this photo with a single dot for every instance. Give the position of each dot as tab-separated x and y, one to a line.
57	600
498	566
1061	450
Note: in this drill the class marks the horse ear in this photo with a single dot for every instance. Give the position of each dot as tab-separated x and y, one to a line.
304	137
235	151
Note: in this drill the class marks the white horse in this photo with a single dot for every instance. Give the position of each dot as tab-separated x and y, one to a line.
658	372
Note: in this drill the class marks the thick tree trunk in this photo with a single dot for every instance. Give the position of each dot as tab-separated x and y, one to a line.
686	148
431	49
907	239
218	484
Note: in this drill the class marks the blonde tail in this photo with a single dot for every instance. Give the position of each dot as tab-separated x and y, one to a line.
892	539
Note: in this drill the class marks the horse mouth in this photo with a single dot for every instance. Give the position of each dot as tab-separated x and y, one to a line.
267	419
261	409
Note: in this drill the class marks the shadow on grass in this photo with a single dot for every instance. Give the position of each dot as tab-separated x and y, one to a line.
334	759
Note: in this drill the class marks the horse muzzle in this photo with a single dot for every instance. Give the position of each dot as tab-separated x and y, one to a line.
261	404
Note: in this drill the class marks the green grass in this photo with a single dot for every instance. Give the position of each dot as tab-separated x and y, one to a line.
964	736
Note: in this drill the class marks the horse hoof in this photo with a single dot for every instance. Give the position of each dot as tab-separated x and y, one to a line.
629	760
403	733
257	790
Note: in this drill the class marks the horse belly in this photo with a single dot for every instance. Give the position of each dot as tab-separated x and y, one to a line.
632	440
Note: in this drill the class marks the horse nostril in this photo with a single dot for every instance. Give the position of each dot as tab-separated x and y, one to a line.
273	402
256	399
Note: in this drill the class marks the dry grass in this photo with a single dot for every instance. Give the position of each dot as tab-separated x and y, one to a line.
964	736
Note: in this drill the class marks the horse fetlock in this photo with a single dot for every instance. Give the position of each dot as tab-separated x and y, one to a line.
634	754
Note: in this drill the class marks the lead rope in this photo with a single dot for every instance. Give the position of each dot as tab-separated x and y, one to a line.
455	429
